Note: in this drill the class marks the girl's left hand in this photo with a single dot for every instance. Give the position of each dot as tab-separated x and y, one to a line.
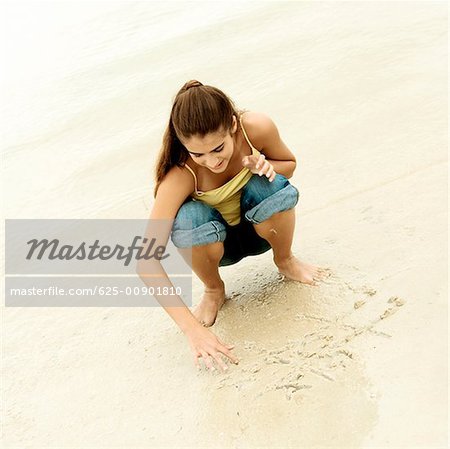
259	165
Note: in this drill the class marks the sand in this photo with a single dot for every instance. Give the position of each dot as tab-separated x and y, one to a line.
358	91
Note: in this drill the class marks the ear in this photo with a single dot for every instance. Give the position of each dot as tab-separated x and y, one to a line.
234	125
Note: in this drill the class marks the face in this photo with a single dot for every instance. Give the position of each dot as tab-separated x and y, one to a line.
214	150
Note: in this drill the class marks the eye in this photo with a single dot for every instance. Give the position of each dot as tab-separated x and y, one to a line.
218	151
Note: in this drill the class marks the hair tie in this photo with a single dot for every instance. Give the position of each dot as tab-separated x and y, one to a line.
192	83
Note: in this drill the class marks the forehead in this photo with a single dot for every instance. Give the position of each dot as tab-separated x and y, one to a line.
205	143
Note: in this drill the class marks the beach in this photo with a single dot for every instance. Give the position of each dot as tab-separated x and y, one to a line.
358	91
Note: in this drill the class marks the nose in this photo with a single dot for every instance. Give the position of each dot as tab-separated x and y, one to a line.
214	163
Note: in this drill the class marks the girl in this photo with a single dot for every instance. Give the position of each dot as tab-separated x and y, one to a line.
222	177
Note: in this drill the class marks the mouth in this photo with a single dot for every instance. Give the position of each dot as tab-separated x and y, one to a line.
218	166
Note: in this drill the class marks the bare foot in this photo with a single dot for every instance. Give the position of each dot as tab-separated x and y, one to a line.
212	301
300	271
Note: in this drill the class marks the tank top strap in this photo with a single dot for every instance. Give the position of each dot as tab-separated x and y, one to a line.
245	135
195	179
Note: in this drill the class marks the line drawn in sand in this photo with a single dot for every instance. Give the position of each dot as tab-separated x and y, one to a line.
321	353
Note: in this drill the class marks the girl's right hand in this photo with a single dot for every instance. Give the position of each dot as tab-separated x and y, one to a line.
204	344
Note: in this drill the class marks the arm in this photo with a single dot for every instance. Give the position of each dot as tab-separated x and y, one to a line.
285	168
264	134
172	192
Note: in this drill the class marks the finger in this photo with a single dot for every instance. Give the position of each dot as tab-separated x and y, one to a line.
272	177
270	171
225	351
260	160
220	362
264	168
207	360
196	361
225	344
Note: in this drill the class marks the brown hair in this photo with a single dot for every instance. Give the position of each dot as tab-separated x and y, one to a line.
197	110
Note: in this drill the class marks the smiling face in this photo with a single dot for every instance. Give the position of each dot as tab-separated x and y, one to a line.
214	150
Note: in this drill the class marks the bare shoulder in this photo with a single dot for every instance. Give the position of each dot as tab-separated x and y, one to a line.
176	186
264	135
259	127
179	176
256	119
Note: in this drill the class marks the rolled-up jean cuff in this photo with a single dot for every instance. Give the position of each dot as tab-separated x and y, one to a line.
210	232
284	199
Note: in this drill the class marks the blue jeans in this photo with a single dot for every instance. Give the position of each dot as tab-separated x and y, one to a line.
197	223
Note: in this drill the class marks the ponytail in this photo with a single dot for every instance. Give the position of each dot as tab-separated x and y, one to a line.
197	110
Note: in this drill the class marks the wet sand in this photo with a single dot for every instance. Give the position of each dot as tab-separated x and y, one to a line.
359	95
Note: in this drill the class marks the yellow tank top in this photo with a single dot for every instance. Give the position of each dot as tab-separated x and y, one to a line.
227	198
